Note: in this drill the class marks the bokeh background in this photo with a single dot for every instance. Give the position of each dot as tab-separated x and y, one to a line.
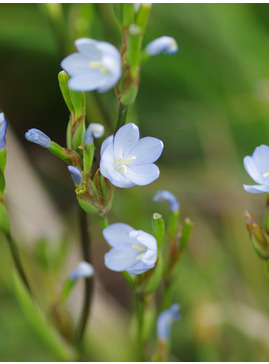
210	105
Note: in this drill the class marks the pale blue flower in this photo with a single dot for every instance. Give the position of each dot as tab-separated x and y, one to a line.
161	196
165	321
160	45
94	130
257	167
96	66
83	270
132	250
76	174
127	161
37	136
3	130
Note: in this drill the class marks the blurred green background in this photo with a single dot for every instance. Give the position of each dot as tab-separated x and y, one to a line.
210	105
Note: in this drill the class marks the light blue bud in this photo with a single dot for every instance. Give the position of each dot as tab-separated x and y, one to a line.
94	130
3	129
161	196
165	321
76	174
160	45
37	136
83	270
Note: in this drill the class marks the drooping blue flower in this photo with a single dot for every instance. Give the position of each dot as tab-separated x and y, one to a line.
257	167
160	45
37	136
165	321
3	130
76	174
161	196
127	161
83	270
94	130
96	66
132	250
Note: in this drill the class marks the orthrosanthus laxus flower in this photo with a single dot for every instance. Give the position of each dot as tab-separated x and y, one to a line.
37	136
83	270
132	250
127	161
165	321
257	167
161	196
94	130
3	129
76	174
160	45
96	66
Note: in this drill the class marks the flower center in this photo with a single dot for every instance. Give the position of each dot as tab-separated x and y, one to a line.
140	249
265	175
97	64
120	166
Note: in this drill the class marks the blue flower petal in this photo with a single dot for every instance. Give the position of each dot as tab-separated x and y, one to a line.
125	139
160	196
121	259
165	321
117	234
86	81
147	150
261	159
142	175
89	48
75	64
3	129
256	188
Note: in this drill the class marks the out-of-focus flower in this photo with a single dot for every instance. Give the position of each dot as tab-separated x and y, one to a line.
83	270
160	45
96	66
76	174
132	250
127	161
257	167
165	321
3	129
94	130
161	196
138	5
37	136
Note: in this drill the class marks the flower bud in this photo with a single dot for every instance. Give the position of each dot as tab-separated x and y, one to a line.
160	45
161	196
38	137
94	130
76	174
3	129
258	237
83	270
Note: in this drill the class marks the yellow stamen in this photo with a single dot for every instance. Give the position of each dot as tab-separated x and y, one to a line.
97	64
138	247
266	174
140	256
129	160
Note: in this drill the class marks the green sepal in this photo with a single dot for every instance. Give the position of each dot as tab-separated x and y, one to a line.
158	227
67	288
69	134
173	221
38	323
88	155
59	151
77	134
156	277
3	160
186	233
258	237
79	103
129	96
63	83
87	206
266	215
127	14
4	220
142	15
134	41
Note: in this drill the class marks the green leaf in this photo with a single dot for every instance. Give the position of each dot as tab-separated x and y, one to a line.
63	83
38	323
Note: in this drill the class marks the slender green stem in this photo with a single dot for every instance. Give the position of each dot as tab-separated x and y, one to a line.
17	260
140	303
122	115
88	285
103	221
